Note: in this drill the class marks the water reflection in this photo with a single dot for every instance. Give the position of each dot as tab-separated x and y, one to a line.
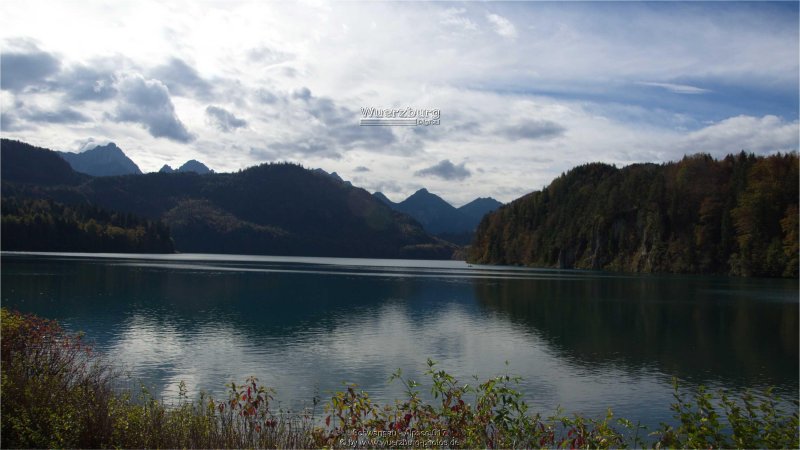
585	341
704	329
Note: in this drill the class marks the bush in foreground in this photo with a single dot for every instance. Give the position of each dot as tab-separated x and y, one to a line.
56	393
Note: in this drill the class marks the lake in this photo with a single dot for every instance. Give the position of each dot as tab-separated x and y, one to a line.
583	340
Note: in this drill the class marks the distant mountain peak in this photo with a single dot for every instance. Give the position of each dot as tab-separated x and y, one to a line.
380	196
195	166
109	152
108	147
425	197
439	217
476	209
166	168
482	203
101	160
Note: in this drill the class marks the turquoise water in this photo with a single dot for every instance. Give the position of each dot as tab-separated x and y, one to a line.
583	340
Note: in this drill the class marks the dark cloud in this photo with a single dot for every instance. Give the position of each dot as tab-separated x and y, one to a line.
8	121
20	69
23	115
182	79
25	65
61	115
86	83
9	117
303	93
331	128
148	102
223	119
446	170
341	124
533	129
362	169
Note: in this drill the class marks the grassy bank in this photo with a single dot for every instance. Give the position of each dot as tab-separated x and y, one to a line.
57	393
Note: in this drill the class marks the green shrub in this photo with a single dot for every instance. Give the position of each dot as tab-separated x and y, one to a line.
55	392
750	422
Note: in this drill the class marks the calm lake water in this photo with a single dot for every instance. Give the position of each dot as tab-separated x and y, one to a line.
583	340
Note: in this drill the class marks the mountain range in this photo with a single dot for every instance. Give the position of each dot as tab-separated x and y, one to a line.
277	209
436	216
192	165
442	219
109	160
101	161
735	216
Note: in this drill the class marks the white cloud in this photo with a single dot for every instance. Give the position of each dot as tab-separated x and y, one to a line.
753	134
81	145
456	17
502	26
558	89
675	88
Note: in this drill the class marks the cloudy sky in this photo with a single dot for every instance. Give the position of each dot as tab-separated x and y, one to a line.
525	90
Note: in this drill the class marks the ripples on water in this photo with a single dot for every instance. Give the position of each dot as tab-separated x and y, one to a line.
583	340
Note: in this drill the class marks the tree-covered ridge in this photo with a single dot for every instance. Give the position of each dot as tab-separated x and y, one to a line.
277	209
737	215
24	163
45	225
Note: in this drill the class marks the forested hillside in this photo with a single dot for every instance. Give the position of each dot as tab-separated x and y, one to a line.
44	225
737	216
276	209
24	163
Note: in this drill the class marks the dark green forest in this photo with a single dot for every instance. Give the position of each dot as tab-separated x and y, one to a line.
28	164
736	216
45	225
274	209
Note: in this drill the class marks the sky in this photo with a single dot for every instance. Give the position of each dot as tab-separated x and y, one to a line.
525	90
